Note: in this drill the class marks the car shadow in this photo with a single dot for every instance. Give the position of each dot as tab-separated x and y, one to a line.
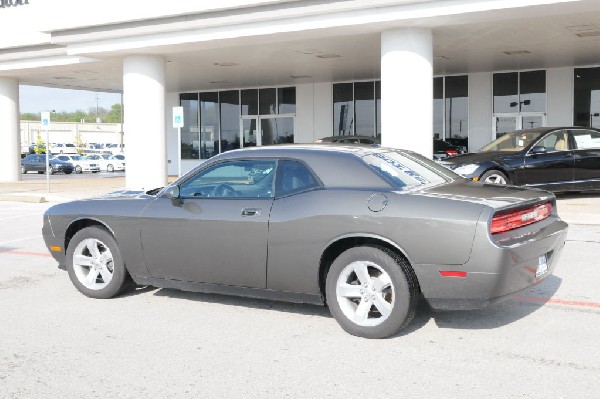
500	314
494	316
578	195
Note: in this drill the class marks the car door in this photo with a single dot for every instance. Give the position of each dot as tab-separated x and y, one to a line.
549	162
217	230
586	150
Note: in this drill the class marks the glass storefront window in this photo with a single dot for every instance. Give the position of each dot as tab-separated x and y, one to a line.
209	125
378	110
532	89
267	100
438	108
587	97
457	110
506	92
249	102
343	109
364	108
286	96
190	143
277	130
230	120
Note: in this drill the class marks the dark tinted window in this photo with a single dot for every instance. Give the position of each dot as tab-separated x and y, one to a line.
587	97
343	109
293	177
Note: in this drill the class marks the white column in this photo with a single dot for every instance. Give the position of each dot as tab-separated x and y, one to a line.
10	132
407	90
144	122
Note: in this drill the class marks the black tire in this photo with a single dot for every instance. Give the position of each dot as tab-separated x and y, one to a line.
405	294
110	168
78	169
494	176
40	172
68	172
120	277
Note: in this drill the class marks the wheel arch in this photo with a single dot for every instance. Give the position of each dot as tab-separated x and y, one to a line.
341	244
500	168
79	224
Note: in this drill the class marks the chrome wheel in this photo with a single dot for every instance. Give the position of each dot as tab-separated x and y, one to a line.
93	264
365	293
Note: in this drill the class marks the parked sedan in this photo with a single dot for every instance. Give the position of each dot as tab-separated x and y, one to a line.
37	163
349	226
552	158
107	162
81	163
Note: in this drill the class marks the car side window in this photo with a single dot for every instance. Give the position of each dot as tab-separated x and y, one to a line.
555	141
293	177
586	139
246	179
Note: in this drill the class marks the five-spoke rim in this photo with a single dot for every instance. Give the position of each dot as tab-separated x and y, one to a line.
93	264
365	293
495	179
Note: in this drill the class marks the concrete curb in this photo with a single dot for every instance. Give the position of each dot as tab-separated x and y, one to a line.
22	198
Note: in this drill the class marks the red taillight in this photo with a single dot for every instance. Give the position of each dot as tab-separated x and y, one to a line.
503	222
451	153
452	273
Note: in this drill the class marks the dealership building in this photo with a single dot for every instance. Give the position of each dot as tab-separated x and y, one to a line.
264	72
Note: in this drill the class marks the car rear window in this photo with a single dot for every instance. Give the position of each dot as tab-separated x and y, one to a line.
406	171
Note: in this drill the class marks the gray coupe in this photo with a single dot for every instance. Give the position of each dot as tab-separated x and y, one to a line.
367	230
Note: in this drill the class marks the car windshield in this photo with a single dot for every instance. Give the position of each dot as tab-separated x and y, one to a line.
513	141
407	171
77	158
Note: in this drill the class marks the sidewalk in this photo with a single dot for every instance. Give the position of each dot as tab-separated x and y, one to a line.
573	208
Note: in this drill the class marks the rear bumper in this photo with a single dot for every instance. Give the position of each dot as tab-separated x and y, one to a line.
496	270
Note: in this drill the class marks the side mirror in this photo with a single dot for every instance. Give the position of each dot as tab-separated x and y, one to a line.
539	149
172	192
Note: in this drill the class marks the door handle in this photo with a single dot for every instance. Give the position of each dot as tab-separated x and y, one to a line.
251	211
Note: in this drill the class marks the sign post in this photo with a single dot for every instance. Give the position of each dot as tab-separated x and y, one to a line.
178	123
46	126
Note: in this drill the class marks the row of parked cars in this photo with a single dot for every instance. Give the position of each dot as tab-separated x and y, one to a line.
69	163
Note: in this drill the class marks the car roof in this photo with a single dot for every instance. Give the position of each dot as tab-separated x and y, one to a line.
336	165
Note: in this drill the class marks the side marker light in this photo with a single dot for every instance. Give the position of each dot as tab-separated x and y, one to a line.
452	273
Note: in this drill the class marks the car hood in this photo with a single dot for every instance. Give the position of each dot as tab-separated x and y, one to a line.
122	194
476	158
493	195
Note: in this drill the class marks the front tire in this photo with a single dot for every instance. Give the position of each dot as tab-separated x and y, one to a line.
372	292
110	168
494	177
95	265
78	169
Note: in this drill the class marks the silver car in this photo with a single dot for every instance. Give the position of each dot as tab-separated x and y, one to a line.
368	231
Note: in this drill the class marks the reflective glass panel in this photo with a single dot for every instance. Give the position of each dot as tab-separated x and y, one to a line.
209	125
287	100
267	101
249	132
505	124
190	143
438	108
506	89
277	130
343	109
250	102
533	91
364	108
586	97
457	110
230	120
378	105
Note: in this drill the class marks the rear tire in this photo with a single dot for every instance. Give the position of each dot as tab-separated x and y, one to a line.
372	292
494	177
78	169
110	168
95	265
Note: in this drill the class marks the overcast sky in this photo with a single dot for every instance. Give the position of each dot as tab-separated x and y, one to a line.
34	99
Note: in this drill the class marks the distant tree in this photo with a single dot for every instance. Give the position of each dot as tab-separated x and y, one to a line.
112	116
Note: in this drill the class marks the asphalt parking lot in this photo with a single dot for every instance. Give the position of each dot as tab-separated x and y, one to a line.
160	343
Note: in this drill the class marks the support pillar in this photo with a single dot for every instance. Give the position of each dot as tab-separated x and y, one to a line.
407	90
10	132
144	122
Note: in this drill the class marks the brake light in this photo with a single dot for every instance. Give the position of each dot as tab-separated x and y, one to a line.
503	222
451	153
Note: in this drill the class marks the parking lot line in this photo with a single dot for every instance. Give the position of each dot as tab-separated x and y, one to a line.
15	252
556	301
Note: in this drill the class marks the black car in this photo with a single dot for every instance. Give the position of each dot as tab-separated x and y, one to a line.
443	150
357	139
553	158
37	163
